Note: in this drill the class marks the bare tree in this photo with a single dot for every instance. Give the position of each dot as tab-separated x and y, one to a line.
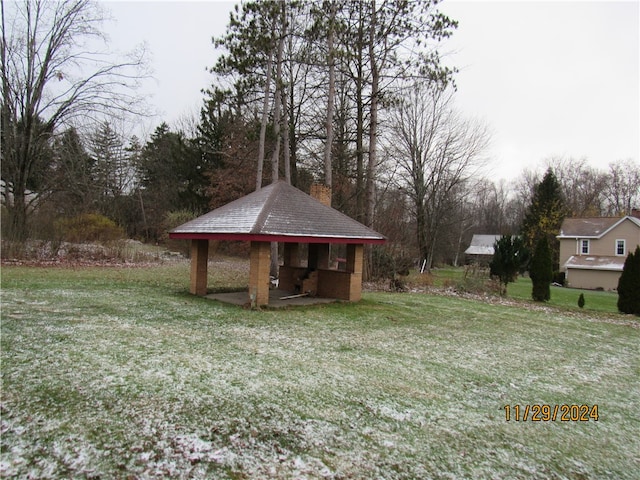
583	187
52	75
437	153
490	206
623	187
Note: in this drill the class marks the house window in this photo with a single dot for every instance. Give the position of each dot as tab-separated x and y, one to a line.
620	247
584	247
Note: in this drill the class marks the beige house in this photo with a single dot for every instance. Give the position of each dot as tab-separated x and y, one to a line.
593	250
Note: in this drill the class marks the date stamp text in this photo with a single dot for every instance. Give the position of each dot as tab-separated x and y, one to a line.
551	413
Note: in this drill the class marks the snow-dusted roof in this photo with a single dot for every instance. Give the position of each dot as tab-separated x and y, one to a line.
589	262
482	245
593	227
278	212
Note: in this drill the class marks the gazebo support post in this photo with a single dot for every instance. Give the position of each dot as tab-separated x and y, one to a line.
355	257
199	261
259	266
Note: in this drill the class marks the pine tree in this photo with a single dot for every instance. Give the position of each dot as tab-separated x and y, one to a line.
545	216
629	284
173	177
510	256
541	271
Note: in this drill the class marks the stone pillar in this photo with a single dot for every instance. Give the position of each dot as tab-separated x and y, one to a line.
355	257
199	260
260	262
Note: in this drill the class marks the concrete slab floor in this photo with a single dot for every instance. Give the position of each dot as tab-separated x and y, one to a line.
242	298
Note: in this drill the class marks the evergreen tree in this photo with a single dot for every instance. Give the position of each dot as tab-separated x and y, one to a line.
228	144
113	175
629	284
173	176
581	300
510	256
541	271
544	216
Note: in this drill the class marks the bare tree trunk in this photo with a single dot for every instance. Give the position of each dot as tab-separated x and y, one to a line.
421	227
275	157
373	127
328	167
292	143
359	154
263	123
360	183
286	154
277	100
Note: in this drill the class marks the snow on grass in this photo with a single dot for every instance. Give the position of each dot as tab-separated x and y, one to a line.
120	374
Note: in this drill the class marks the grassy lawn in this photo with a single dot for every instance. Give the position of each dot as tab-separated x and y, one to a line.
564	298
119	373
597	301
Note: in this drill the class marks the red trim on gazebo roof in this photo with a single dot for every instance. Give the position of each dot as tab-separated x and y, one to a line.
244	237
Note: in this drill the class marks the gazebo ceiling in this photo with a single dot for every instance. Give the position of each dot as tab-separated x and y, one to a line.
278	212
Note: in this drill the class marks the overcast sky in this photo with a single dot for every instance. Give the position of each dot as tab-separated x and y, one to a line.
549	78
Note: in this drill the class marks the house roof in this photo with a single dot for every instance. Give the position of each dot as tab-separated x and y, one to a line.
482	245
593	227
278	212
582	262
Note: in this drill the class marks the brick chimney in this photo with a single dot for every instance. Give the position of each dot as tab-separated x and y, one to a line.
322	193
635	212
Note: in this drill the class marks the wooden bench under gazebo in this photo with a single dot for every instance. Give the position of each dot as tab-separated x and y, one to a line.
281	213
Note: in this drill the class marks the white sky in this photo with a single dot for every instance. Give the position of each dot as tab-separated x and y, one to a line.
549	78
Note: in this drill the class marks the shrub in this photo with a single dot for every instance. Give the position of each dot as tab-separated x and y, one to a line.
88	227
581	300
387	264
473	280
629	284
476	280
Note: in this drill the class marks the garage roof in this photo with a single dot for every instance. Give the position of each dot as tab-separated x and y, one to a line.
482	245
595	263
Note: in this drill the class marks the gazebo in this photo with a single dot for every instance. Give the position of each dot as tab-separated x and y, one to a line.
282	213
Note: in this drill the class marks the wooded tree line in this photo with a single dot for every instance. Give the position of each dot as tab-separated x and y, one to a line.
350	94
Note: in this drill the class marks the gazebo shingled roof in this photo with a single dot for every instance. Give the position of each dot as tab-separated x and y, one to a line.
277	212
282	213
